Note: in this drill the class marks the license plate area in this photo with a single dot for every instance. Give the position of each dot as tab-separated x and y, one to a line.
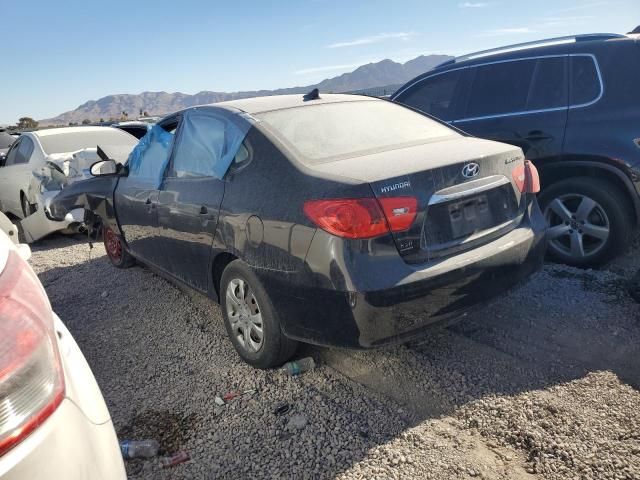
469	215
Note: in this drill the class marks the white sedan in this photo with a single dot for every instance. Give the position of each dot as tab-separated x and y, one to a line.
41	163
53	420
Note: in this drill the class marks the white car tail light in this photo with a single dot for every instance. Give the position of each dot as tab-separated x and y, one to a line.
31	377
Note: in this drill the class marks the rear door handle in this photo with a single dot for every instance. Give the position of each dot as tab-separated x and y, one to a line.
203	210
537	135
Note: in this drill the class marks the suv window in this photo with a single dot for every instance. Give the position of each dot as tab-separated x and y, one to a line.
585	83
21	152
434	95
500	88
549	84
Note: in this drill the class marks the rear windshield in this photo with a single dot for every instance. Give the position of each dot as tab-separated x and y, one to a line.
72	141
319	133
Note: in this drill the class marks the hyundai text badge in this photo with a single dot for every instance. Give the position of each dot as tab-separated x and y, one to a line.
470	170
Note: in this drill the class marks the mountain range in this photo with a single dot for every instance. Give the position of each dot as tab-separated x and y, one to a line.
385	73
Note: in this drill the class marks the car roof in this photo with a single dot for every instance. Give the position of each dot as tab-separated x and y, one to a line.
47	132
279	102
561	44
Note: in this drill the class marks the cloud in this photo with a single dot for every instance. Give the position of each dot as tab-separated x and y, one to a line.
473	5
549	22
326	68
380	37
498	32
584	6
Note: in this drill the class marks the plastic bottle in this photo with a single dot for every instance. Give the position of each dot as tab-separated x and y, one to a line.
299	366
139	448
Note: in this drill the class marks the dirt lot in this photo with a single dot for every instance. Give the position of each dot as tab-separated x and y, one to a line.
542	384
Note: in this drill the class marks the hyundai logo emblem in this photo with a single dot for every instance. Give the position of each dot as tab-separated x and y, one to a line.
470	170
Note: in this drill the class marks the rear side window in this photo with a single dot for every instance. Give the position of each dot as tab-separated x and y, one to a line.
208	144
434	95
549	84
500	88
585	83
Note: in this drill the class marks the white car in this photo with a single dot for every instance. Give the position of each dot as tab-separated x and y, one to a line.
53	420
41	163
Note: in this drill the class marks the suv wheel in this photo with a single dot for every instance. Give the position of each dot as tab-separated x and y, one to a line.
117	254
250	320
588	221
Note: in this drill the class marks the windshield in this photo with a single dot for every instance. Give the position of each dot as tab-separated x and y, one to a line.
73	141
319	133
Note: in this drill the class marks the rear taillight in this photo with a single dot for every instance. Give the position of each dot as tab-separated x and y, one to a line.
362	217
526	177
31	378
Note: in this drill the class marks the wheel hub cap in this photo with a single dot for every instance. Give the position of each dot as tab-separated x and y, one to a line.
244	315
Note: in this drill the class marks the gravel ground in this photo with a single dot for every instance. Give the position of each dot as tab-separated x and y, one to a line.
542	384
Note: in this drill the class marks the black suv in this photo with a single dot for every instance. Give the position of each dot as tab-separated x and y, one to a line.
573	105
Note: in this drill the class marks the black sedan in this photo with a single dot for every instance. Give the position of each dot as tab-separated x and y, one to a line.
334	219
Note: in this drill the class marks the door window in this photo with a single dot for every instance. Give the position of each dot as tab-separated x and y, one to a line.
149	158
435	95
208	144
500	88
585	83
21	152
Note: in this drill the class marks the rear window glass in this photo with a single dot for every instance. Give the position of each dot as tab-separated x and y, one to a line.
72	141
318	133
585	84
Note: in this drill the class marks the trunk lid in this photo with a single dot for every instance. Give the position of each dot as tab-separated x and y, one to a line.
455	210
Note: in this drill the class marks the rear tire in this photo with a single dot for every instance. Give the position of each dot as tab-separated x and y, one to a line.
118	255
593	234
250	319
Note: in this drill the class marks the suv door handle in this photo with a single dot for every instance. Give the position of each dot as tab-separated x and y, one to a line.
148	202
537	135
203	210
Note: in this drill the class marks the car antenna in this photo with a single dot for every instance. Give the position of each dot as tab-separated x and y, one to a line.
312	95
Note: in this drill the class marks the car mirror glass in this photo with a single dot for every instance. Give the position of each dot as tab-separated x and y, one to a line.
104	167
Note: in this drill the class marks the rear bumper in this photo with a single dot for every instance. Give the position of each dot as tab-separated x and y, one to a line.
406	303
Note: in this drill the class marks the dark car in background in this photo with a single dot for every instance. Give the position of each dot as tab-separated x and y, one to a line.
6	141
335	220
573	105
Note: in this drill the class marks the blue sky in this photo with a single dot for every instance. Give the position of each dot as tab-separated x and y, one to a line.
64	53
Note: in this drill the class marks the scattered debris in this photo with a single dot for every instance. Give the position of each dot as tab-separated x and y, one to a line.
175	459
219	401
282	408
230	396
297	421
297	367
139	448
104	294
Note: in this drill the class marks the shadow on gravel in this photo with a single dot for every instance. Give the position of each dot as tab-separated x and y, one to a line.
156	350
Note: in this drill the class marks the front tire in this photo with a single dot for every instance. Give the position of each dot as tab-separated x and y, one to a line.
118	256
250	319
589	221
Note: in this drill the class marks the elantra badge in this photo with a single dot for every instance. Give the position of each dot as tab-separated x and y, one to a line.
470	170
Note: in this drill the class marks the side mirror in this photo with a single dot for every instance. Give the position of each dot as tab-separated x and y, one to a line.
106	167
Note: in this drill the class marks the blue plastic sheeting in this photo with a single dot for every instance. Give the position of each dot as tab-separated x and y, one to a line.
149	158
208	144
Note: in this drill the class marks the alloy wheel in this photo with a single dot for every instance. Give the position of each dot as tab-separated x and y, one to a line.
112	245
578	226
244	315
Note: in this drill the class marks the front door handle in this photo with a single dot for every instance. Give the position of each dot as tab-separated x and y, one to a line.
203	210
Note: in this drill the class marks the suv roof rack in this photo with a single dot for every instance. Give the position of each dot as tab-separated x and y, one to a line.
537	43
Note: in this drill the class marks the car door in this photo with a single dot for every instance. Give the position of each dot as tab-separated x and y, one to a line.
523	102
192	191
136	195
15	175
